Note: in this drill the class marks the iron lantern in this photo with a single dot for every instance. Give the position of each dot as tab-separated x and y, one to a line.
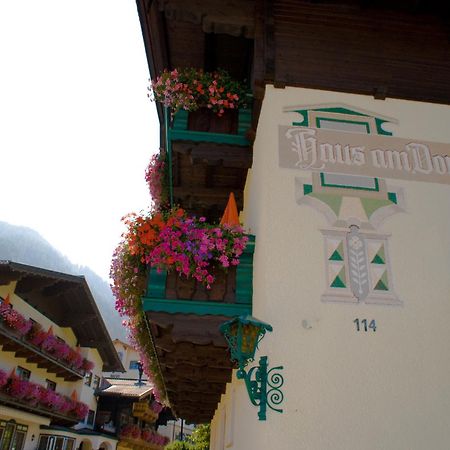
243	334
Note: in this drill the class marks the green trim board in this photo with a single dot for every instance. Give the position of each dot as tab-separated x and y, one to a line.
200	308
156	283
179	131
323	182
341	110
244	273
205	136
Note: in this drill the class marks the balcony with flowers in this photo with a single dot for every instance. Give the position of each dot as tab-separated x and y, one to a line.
27	339
177	275
147	412
136	438
33	397
206	146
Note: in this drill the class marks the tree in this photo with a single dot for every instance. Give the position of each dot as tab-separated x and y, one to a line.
199	440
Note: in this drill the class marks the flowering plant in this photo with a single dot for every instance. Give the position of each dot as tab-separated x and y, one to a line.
45	340
190	89
87	365
156	407
50	343
155	176
174	241
3	378
18	388
131	431
37	395
80	410
154	438
14	319
50	399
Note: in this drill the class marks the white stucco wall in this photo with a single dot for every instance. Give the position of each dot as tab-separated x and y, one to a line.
345	389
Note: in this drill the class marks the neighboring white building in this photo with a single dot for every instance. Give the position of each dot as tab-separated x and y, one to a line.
129	358
54	347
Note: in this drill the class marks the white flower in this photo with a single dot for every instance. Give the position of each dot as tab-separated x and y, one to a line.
355	243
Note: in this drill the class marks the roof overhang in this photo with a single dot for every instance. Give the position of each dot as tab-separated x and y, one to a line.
68	302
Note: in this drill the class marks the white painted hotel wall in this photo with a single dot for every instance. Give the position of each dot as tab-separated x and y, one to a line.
346	390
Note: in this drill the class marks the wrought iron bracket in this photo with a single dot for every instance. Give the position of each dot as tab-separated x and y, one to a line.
263	386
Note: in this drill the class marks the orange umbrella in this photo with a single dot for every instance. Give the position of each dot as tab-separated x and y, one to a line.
50	330
74	395
230	215
6	301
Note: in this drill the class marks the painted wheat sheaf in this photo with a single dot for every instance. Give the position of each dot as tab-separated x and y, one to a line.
359	272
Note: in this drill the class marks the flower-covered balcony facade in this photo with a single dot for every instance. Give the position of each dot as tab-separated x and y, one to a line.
178	278
37	399
27	339
136	438
202	68
179	273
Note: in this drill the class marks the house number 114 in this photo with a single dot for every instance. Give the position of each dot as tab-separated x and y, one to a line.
362	325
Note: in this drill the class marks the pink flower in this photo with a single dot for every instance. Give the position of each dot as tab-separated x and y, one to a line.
3	378
80	410
224	260
87	365
18	388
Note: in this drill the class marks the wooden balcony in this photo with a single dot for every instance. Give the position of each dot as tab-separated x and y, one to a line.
210	158
12	342
144	412
184	319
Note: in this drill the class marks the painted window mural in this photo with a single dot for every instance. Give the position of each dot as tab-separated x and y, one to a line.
357	266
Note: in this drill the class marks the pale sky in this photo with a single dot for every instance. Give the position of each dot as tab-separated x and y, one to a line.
76	127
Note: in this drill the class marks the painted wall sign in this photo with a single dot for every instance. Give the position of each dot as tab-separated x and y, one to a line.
363	154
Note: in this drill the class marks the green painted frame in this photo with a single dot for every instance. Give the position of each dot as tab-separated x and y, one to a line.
179	131
343	186
305	123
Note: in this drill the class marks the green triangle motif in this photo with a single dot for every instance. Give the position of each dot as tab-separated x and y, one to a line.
338	253
380	257
382	284
338	281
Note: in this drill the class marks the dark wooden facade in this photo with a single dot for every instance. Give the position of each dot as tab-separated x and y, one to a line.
378	48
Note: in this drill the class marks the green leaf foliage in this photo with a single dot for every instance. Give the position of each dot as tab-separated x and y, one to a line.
199	440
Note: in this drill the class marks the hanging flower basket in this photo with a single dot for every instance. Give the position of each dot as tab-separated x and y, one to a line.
191	89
